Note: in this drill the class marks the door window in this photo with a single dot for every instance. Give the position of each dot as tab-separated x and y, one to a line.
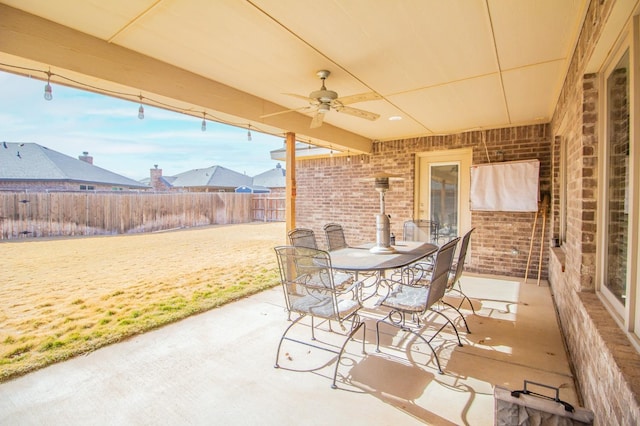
444	187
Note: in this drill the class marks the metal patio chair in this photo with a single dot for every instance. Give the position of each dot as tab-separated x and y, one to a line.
426	231
456	273
335	236
410	302
335	241
420	230
310	290
303	237
306	237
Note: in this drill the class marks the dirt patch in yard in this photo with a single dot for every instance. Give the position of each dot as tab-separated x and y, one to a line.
60	298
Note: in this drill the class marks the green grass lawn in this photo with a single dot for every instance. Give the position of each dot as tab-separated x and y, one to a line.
65	297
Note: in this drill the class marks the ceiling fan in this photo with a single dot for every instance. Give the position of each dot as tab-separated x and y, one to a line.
323	100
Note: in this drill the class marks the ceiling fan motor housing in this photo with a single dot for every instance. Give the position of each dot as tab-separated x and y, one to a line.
324	95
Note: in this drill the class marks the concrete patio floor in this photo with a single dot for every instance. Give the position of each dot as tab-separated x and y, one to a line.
217	368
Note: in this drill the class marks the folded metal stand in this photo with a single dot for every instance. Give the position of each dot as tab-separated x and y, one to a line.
567	407
528	407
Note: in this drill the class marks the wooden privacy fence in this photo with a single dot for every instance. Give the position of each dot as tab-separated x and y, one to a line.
42	214
268	208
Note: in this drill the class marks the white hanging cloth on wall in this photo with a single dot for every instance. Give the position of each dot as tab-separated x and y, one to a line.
510	186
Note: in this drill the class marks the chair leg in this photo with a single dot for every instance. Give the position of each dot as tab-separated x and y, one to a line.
464	297
356	323
349	337
407	329
295	321
450	323
355	326
459	313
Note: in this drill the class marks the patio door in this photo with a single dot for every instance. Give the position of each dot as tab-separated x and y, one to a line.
442	190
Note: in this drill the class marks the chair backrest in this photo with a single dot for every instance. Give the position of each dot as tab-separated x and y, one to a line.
335	236
462	254
420	230
440	274
307	279
303	237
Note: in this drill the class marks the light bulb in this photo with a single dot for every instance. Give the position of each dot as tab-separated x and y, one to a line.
204	125
47	92
141	109
249	135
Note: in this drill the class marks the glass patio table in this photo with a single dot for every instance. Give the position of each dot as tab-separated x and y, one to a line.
359	258
373	266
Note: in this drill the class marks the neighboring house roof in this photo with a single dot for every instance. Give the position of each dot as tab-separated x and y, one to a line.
220	177
215	176
33	162
166	180
274	178
169	180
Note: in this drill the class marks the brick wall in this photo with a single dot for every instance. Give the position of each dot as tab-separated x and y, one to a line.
606	364
335	189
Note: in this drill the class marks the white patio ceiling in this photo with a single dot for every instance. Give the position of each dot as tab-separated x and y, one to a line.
442	66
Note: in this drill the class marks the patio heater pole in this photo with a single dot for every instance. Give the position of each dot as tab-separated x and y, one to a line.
383	228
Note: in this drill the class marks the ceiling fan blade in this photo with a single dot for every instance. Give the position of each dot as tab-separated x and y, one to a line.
362	97
359	113
283	112
317	120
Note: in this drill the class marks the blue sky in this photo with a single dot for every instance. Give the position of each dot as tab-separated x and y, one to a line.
109	129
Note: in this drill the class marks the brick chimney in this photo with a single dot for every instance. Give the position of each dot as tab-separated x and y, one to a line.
156	175
86	157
